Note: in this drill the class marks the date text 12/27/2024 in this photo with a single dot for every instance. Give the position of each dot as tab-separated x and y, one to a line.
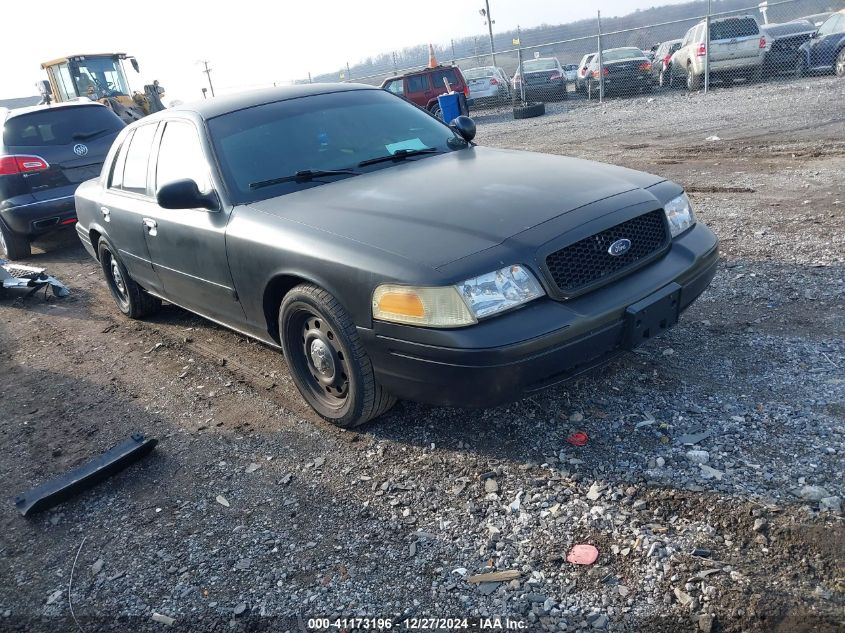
494	623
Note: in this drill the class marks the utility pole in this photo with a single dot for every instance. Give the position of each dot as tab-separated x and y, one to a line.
207	71
490	31
453	51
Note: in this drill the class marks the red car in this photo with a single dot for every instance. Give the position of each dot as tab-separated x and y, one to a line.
423	86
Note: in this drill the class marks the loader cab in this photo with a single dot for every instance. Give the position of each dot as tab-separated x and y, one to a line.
93	77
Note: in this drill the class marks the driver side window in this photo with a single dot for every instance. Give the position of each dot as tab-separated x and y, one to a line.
832	25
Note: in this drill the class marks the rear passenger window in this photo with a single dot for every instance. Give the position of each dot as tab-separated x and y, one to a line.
116	176
137	159
418	83
180	156
450	74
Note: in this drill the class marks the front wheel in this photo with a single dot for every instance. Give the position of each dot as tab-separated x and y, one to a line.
839	65
327	361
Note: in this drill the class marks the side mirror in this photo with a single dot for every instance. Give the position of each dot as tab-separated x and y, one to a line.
134	63
464	126
184	194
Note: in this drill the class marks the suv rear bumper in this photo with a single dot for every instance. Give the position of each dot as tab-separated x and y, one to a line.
568	338
28	216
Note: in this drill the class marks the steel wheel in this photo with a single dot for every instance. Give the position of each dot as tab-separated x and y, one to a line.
116	281
322	358
327	361
131	298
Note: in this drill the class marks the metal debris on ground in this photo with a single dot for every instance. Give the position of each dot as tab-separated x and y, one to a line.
28	280
86	476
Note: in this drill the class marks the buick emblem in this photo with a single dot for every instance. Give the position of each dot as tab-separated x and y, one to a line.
80	150
619	247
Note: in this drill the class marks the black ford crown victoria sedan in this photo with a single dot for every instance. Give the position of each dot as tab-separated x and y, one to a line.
384	252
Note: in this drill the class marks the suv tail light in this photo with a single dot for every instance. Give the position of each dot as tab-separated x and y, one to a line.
702	50
667	59
763	42
605	72
494	81
21	164
466	91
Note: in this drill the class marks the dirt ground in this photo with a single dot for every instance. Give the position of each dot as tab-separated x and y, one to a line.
381	522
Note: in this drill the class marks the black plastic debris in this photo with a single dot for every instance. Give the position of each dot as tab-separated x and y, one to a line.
86	476
27	280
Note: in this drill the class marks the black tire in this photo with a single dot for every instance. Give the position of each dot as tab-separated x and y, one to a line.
343	389
839	64
693	80
435	111
12	245
800	67
130	298
529	110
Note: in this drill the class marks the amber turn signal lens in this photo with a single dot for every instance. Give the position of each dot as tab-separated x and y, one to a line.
405	303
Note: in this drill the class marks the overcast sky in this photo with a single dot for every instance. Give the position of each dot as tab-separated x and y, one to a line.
251	43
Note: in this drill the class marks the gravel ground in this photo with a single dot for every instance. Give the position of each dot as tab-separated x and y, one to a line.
711	483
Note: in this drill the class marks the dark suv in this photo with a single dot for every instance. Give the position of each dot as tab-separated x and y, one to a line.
422	87
45	152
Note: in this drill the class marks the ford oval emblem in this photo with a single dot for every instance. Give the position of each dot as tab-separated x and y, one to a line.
80	150
619	247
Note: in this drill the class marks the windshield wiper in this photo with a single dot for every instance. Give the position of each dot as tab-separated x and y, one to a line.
399	154
303	176
81	136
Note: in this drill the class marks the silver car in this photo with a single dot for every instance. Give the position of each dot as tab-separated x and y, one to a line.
487	84
570	71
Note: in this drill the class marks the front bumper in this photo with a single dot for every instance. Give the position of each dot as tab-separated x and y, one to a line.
544	343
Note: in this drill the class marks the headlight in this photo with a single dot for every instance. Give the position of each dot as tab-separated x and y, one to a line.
679	213
458	305
500	290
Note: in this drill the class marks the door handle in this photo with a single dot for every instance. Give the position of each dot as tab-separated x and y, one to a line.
151	226
106	214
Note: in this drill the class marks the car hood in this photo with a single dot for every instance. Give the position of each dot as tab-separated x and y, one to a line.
437	209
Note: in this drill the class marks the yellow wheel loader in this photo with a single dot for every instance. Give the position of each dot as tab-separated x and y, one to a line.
99	77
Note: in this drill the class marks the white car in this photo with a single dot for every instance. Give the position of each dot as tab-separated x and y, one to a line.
737	49
488	84
583	69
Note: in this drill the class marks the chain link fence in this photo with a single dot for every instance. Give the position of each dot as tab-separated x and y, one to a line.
696	46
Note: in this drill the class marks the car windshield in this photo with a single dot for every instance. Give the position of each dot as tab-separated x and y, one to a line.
618	54
479	73
334	131
534	65
59	126
571	67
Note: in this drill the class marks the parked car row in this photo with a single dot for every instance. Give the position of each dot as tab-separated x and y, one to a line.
740	49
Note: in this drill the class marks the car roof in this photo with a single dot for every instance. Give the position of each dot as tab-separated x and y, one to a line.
210	108
419	71
6	113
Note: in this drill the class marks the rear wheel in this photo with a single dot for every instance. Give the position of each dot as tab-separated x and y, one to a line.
839	65
435	111
12	245
693	80
327	361
132	300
